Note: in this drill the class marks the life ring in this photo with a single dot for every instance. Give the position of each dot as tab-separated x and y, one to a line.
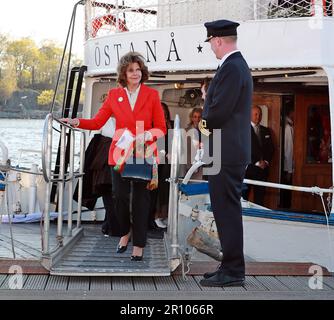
324	9
108	19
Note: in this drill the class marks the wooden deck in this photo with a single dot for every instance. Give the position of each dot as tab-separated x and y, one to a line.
157	288
264	280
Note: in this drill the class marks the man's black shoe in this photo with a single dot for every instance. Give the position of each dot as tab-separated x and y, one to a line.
222	280
207	275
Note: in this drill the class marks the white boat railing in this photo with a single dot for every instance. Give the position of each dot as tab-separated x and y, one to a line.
111	16
174	190
67	136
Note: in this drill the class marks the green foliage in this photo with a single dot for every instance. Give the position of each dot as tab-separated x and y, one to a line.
45	98
25	65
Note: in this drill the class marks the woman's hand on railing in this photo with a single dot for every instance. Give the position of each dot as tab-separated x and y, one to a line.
72	122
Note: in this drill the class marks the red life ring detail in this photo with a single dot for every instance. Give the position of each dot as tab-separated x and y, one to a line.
313	4
107	19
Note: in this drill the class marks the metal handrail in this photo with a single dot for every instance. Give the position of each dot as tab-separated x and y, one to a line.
62	177
174	188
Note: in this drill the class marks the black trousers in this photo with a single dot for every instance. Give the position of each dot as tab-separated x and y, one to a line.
140	207
286	195
110	224
225	193
256	173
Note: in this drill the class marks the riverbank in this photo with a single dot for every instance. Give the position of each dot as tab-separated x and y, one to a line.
29	115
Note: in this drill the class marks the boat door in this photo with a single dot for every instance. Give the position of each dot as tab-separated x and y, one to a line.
270	104
312	149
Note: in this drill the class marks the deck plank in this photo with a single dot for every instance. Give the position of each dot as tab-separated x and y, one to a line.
188	284
121	284
305	282
100	283
272	284
57	283
293	284
143	284
329	281
165	284
10	281
36	282
252	284
78	283
2	278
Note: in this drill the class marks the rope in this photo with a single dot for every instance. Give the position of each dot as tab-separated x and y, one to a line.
314	190
328	232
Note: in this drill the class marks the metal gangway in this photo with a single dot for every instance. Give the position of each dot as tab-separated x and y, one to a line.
81	251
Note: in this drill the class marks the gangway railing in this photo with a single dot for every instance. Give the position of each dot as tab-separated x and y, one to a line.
69	111
174	193
67	133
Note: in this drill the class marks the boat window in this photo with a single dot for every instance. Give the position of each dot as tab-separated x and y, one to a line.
318	134
184	98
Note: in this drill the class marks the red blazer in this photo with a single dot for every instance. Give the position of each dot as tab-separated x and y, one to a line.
147	109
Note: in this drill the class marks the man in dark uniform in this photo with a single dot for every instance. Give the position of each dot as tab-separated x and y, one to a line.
262	154
228	108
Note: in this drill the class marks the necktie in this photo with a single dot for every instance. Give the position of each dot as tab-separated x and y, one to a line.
257	132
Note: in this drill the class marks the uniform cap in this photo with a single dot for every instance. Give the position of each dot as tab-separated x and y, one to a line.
220	28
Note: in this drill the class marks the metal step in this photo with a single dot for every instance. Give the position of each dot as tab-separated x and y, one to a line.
95	255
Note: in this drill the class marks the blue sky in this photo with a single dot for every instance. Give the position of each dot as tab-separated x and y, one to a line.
41	19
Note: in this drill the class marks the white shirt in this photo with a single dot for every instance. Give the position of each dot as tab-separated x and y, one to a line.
226	56
288	146
132	96
254	125
108	130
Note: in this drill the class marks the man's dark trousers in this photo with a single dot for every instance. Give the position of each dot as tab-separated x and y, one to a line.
225	193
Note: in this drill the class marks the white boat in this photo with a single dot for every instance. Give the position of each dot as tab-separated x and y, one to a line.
287	46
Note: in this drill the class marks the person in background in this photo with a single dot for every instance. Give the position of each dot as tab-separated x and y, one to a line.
262	150
160	197
195	117
139	121
192	141
227	108
204	87
288	158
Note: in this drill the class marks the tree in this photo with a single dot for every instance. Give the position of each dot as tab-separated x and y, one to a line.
7	79
48	66
45	98
26	55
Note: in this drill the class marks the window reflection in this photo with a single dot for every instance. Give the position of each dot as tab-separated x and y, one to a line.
318	135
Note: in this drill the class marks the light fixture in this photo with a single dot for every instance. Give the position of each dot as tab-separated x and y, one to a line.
178	85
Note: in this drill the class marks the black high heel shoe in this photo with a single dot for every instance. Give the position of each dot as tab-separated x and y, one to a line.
136	258
121	249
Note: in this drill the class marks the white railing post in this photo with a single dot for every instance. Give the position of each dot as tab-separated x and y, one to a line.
61	184
174	189
46	161
81	172
70	184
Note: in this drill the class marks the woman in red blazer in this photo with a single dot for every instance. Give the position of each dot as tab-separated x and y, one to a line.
136	108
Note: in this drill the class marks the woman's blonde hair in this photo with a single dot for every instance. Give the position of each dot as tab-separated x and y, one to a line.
125	61
194	110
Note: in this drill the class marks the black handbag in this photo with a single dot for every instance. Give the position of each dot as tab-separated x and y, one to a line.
138	169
